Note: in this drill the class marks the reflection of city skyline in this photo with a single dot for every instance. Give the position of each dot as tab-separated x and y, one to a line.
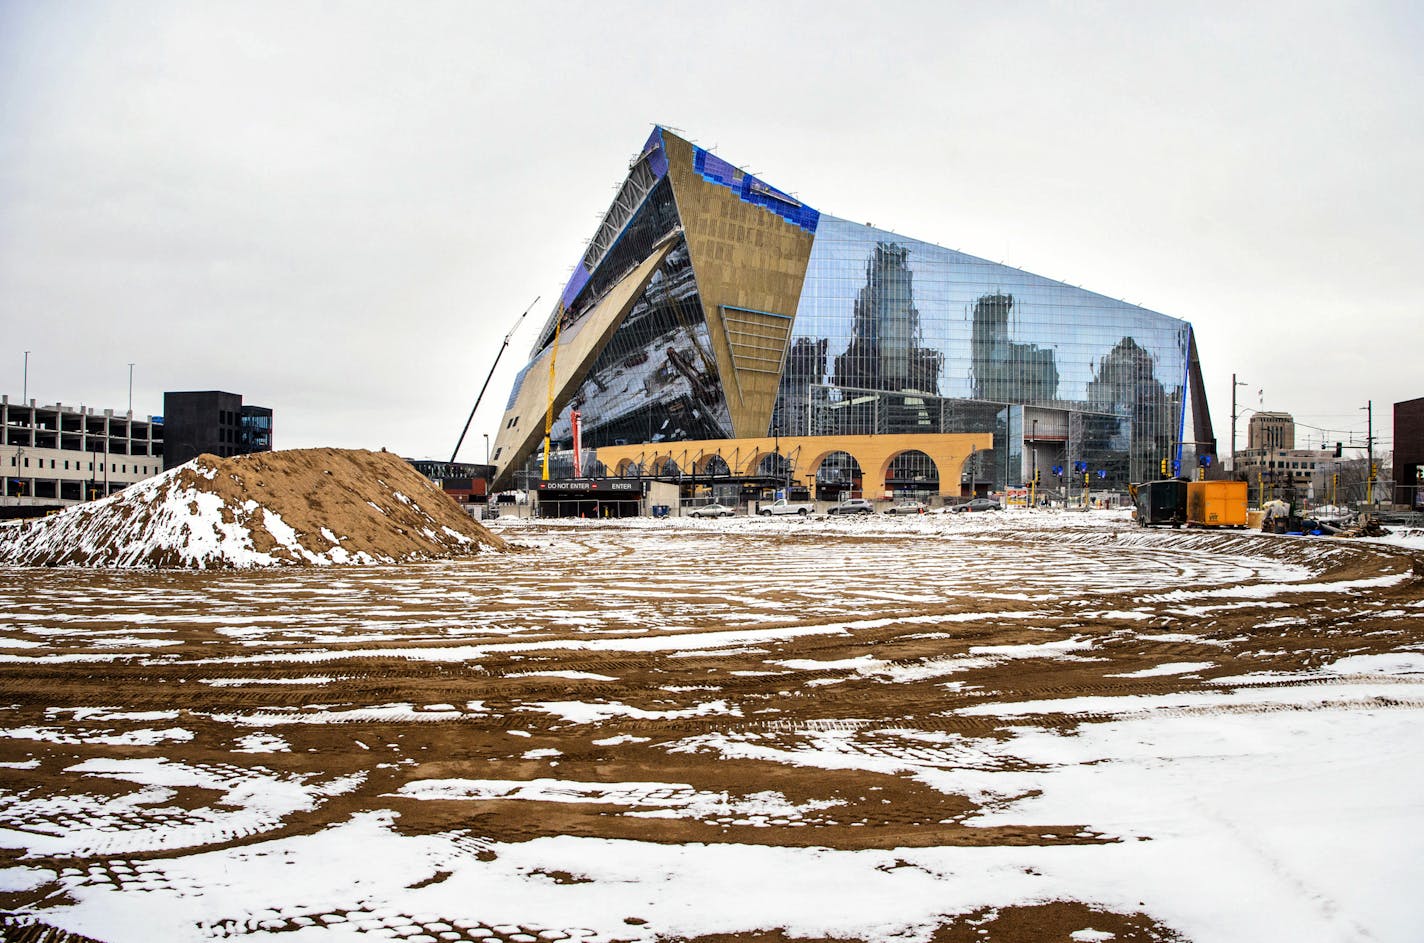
1004	370
1125	381
886	349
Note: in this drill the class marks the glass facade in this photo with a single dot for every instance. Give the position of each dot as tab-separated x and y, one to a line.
890	335
656	380
895	335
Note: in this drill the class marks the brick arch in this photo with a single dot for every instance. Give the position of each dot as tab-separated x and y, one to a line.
873	453
703	463
939	464
814	466
750	466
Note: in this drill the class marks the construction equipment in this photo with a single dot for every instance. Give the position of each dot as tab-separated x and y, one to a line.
461	441
1216	504
1160	502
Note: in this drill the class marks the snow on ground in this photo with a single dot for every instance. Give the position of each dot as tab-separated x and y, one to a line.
1211	823
1245	806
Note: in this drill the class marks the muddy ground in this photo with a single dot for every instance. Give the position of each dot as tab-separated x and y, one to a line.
631	658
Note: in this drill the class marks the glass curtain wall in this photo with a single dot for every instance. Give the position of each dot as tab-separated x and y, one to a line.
657	379
897	335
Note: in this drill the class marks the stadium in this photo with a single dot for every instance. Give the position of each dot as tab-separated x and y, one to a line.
718	330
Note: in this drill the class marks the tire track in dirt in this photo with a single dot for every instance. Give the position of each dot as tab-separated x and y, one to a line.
931	626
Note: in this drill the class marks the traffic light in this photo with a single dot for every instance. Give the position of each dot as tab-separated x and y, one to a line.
1338	449
1164	468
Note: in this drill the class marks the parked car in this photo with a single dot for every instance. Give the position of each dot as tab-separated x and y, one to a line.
853	506
977	504
713	510
782	506
907	507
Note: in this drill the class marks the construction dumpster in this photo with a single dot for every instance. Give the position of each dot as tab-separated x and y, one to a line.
1216	504
1160	502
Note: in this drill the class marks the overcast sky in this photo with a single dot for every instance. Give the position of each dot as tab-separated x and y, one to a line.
339	210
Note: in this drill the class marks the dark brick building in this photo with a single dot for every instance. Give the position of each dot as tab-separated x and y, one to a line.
214	422
1409	453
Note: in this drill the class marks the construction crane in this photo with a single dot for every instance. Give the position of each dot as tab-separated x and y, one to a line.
461	440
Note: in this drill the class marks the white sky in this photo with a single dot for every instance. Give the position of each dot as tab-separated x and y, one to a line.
338	210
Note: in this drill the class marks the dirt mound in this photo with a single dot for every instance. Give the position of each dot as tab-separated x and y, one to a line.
294	508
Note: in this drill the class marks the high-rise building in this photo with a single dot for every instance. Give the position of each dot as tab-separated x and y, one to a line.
1409	453
1270	431
712	308
214	422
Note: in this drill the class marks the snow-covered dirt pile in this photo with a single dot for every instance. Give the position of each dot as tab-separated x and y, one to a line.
294	508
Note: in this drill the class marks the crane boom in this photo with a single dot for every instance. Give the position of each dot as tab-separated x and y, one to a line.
461	440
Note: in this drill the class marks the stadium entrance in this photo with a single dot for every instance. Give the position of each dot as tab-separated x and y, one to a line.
592	498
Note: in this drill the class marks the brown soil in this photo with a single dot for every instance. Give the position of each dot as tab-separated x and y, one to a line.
634	584
348	493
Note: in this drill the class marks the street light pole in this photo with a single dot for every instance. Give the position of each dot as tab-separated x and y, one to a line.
131	366
25	398
776	450
1033	451
1234	384
486	435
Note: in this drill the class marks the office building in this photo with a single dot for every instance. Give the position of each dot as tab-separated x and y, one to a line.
212	422
1409	454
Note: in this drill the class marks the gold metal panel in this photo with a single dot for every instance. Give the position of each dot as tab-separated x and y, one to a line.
744	256
578	347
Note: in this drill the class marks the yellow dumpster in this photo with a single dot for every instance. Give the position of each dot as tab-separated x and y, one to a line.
1216	504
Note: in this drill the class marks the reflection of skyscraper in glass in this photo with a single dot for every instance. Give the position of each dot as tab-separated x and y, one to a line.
805	367
1004	371
1126	381
886	351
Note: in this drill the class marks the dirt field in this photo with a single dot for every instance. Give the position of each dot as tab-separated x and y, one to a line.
566	742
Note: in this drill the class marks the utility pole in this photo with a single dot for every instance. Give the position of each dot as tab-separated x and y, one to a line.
1234	384
1370	445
